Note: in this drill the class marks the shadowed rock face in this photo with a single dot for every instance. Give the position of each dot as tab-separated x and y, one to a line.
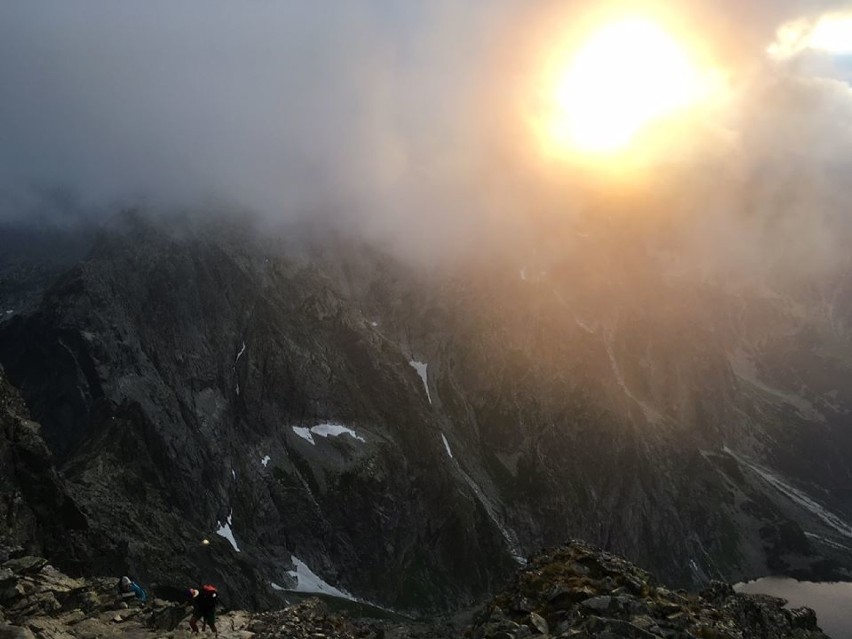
36	510
178	372
136	365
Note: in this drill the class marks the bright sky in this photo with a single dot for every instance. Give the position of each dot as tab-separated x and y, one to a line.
831	33
628	86
422	114
625	75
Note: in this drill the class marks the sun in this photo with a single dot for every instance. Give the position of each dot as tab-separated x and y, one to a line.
625	76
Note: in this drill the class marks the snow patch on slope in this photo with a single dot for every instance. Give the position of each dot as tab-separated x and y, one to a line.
225	531
325	430
240	354
421	367
264	460
335	430
308	581
304	433
447	445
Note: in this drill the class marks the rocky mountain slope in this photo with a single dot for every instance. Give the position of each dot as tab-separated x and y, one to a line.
36	509
349	423
572	591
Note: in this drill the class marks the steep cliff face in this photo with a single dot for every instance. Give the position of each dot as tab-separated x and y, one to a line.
36	510
407	435
192	386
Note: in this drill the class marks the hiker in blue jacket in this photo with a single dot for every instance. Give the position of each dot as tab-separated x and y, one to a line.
127	587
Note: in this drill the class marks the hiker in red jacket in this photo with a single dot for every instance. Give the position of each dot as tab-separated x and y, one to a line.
203	607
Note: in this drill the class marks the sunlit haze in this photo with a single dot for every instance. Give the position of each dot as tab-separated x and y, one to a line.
626	75
431	124
831	33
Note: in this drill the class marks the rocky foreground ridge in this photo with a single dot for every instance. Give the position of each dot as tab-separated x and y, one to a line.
574	591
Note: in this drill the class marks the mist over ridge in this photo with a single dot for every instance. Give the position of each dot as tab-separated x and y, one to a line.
405	123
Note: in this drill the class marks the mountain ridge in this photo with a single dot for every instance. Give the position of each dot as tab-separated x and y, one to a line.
176	358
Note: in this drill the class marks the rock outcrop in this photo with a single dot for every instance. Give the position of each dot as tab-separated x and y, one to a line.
581	592
39	601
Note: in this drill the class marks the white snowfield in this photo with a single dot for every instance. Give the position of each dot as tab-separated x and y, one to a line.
264	460
308	581
325	430
421	367
225	531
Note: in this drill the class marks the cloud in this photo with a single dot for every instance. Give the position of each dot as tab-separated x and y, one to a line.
404	120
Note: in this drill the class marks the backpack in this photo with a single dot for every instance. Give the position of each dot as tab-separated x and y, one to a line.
207	597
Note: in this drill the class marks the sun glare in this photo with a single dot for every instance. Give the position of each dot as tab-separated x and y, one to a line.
627	75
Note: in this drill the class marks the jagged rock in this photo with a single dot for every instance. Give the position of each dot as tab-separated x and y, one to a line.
549	579
539	623
47	628
167	617
11	591
599	604
7	577
15	632
802	618
522	604
25	565
716	590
